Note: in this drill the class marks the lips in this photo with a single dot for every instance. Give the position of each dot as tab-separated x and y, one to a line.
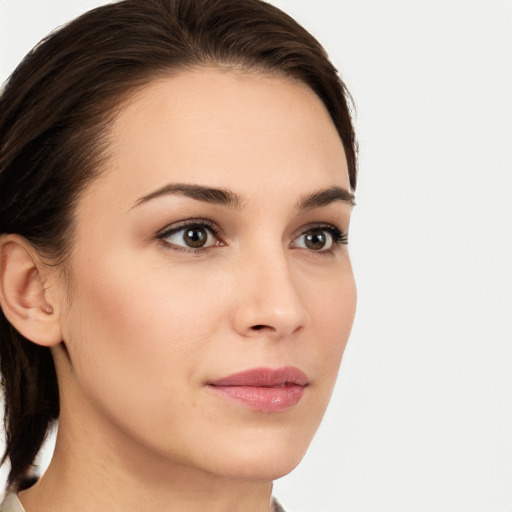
263	389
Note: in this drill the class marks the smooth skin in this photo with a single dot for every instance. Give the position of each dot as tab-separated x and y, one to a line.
151	305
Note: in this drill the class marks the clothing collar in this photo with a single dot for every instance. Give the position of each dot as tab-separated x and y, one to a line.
11	503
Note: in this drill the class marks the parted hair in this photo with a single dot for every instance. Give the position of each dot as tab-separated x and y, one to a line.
55	114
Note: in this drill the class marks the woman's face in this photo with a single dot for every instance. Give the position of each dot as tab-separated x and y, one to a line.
212	292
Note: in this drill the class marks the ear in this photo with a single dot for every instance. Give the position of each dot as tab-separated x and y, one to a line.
24	291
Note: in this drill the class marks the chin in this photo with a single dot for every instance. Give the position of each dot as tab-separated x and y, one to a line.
264	459
267	468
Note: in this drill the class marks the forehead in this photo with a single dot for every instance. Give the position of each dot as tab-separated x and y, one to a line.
224	129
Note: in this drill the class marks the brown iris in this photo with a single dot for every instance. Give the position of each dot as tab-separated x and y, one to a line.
195	237
315	239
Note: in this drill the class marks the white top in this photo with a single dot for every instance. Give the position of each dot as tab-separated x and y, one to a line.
11	503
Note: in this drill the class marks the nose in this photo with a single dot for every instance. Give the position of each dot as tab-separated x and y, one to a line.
271	302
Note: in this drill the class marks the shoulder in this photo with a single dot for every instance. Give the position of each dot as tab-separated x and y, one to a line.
11	503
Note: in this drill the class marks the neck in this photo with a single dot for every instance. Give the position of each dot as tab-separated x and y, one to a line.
97	467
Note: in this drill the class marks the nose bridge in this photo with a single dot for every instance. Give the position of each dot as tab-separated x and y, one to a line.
271	299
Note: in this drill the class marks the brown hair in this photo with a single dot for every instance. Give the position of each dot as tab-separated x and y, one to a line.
54	116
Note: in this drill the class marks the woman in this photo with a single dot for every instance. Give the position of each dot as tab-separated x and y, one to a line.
176	184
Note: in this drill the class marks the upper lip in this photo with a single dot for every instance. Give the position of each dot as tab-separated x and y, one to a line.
264	377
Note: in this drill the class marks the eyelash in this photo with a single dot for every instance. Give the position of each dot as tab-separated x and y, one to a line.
190	224
339	237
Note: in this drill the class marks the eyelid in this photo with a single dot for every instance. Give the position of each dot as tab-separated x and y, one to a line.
339	236
194	221
190	223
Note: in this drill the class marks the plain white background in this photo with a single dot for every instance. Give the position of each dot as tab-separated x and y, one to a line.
421	420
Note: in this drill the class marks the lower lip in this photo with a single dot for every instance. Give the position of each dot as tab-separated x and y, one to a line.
266	399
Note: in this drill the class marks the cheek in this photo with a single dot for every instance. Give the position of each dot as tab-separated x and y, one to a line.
129	330
332	313
141	335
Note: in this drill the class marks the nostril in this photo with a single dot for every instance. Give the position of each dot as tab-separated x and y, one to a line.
259	327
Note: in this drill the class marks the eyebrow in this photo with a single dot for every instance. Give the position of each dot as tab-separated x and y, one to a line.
218	196
225	197
325	197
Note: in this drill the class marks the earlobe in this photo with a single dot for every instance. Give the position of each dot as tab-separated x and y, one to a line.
23	294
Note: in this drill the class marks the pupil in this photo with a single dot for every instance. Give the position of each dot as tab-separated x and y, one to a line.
315	240
195	237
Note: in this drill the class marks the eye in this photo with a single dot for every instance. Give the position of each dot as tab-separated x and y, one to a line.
193	236
320	239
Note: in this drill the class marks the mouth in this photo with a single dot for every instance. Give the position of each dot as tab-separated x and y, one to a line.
263	389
